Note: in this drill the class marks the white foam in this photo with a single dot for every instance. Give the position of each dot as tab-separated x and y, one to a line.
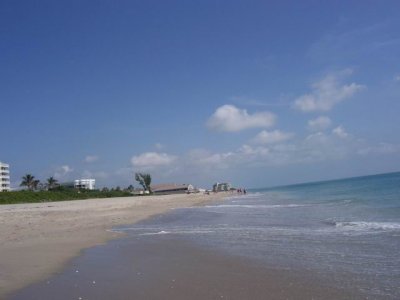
178	232
251	195
252	206
156	233
368	225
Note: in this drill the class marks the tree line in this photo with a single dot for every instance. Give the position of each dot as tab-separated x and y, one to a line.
33	184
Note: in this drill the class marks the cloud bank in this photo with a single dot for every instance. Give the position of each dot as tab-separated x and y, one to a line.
150	160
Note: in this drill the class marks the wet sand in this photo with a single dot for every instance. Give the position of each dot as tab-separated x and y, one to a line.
165	267
37	240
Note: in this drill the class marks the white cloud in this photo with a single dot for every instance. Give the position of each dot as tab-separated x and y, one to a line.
204	158
152	159
316	147
320	123
62	172
271	137
159	146
340	132
327	92
232	119
249	150
381	148
322	146
66	169
397	78
94	175
91	158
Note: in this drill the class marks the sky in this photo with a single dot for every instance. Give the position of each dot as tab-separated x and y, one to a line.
257	93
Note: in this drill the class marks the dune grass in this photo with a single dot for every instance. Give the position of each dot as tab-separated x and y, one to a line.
56	195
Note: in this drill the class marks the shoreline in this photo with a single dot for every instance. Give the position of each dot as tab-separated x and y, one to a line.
167	267
38	239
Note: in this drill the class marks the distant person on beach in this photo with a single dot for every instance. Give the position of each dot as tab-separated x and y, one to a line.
244	191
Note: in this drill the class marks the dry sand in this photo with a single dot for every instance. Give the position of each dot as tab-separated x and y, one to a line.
36	240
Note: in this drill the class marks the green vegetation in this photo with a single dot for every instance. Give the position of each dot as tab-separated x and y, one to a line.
58	194
30	182
144	180
52	183
52	191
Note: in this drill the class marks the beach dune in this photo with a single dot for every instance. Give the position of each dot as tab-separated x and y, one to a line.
36	240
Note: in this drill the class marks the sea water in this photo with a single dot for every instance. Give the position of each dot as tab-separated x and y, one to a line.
347	231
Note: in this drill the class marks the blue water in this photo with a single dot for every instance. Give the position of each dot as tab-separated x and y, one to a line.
346	232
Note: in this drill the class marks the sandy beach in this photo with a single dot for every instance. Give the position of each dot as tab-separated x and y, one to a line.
36	240
164	267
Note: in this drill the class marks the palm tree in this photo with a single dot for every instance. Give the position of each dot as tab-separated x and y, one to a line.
144	180
30	182
36	184
51	182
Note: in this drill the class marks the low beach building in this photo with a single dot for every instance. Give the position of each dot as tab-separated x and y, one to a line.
138	192
85	184
222	187
4	177
172	188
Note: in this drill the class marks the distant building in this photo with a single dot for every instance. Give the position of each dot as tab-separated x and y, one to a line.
222	187
172	188
4	177
85	184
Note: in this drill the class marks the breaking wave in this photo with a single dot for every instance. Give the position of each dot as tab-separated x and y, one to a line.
252	206
177	232
383	226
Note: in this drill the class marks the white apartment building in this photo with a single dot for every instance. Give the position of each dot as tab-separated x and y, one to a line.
221	187
86	184
4	177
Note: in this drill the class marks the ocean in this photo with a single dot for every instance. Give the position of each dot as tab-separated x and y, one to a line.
346	232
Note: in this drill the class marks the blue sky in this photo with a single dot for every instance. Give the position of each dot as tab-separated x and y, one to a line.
251	92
